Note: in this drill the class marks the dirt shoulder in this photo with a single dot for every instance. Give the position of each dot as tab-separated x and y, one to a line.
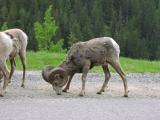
37	101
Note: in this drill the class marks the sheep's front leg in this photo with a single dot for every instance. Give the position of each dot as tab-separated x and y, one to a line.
68	84
119	70
107	77
84	75
22	56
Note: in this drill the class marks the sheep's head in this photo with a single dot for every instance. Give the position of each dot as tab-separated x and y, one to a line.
55	76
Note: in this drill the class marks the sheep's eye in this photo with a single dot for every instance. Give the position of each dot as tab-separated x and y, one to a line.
61	77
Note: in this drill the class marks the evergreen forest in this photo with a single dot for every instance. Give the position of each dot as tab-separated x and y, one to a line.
134	24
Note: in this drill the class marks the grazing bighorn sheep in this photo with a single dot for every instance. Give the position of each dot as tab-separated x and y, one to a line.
6	47
81	57
19	47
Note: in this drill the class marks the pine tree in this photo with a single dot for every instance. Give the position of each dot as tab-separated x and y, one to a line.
72	39
98	25
107	8
13	15
156	33
4	13
85	23
74	28
45	31
4	26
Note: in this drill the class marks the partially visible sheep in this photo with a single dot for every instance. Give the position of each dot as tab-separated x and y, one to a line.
19	47
6	47
83	56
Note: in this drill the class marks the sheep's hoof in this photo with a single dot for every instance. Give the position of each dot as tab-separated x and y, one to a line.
81	94
23	86
99	93
58	93
65	90
1	95
125	96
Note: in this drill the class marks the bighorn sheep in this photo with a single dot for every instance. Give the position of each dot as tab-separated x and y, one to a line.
6	47
81	57
19	47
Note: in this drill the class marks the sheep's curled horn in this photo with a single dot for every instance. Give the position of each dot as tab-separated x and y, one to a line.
49	72
46	72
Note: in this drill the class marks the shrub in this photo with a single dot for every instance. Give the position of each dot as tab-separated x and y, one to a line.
58	47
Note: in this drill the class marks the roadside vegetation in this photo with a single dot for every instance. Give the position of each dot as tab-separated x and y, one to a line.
37	60
55	30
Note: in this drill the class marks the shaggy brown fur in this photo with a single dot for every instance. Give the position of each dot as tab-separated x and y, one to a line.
85	55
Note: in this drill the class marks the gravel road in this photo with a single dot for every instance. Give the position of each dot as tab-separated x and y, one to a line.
37	101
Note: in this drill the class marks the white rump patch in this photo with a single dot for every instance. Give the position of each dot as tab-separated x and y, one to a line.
115	45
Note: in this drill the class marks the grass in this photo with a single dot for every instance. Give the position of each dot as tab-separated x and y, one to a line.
37	60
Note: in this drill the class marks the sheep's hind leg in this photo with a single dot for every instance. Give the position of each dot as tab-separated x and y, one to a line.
1	93
1	76
119	70
107	77
23	60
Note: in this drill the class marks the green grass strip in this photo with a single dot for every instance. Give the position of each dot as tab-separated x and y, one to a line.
37	60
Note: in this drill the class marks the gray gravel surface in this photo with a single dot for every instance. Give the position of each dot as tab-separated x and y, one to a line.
37	101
